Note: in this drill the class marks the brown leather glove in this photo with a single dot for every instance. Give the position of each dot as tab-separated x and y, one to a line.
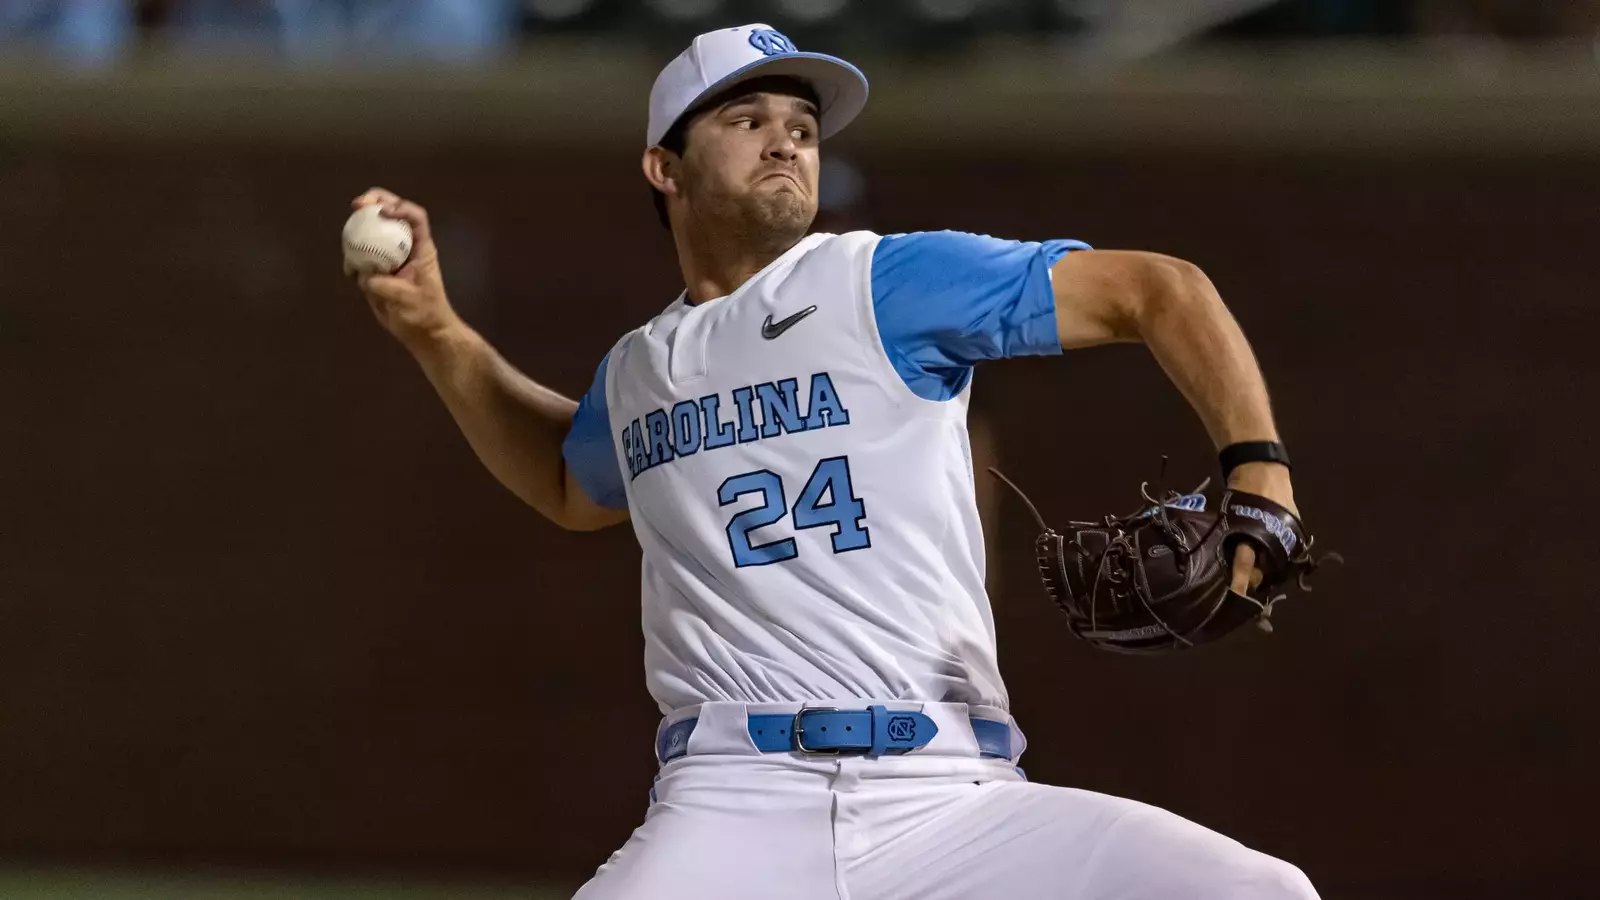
1159	579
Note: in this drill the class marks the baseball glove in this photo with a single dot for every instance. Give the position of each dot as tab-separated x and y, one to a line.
1160	579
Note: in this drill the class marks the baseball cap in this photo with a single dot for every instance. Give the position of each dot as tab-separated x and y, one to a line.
718	60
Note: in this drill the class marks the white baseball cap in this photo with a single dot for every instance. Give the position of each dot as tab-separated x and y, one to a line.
717	60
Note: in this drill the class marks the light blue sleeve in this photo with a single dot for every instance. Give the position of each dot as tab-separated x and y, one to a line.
589	450
946	300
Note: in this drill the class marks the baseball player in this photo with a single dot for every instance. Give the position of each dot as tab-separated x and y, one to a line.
788	438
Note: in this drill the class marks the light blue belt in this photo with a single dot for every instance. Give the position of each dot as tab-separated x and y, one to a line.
823	731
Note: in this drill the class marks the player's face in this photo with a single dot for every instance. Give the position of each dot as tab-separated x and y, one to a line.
752	162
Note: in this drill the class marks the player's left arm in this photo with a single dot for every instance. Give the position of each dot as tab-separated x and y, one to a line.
1106	296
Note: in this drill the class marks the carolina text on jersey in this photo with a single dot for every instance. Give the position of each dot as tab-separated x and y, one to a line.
695	425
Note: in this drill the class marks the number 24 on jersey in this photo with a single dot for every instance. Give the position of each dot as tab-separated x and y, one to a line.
830	481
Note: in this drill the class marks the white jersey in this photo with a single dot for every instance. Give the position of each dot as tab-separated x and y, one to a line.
795	460
807	517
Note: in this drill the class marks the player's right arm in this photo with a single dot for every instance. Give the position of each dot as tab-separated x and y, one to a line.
516	426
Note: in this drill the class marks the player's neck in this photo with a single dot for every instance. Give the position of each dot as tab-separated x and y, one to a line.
713	269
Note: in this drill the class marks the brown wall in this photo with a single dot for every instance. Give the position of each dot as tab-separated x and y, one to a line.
259	603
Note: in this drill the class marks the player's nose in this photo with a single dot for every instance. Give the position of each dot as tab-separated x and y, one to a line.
782	146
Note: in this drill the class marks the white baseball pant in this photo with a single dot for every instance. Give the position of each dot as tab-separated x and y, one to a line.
727	822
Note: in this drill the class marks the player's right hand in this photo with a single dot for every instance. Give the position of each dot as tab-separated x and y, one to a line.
411	303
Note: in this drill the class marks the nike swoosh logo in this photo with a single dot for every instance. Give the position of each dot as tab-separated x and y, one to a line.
771	329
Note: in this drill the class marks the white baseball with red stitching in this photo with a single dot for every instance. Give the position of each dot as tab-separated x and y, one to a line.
374	243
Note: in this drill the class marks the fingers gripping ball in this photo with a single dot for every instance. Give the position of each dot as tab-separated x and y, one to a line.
375	244
1160	579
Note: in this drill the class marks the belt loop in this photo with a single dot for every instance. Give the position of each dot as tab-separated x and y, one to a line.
880	730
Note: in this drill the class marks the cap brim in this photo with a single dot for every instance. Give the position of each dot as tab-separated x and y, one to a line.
841	88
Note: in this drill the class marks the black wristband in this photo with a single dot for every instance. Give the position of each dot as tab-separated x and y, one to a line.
1235	455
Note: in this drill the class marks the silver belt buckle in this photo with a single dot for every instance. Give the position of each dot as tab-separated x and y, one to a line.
799	742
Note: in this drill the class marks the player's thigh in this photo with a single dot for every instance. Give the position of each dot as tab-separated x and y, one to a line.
710	837
1027	841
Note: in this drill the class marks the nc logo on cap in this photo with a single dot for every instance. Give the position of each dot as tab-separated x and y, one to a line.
771	43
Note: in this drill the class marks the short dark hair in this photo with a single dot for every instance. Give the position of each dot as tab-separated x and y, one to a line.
676	139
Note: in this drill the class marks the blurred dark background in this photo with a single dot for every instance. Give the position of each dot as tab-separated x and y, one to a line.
262	612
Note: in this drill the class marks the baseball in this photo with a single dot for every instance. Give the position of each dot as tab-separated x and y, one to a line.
375	244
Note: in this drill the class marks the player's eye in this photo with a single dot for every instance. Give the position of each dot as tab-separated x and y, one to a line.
800	133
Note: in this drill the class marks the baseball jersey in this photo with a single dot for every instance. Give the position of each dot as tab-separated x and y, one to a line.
795	460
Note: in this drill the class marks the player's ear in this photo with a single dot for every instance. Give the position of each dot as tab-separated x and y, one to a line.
661	169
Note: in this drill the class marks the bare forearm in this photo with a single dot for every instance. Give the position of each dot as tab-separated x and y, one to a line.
515	426
1201	348
1169	305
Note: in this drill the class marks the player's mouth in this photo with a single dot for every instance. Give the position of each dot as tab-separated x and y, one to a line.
783	175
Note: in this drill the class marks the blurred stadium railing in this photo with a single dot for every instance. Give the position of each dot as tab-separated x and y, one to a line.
96	32
568	95
1351	74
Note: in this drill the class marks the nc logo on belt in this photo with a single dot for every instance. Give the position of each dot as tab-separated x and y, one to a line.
771	43
902	728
